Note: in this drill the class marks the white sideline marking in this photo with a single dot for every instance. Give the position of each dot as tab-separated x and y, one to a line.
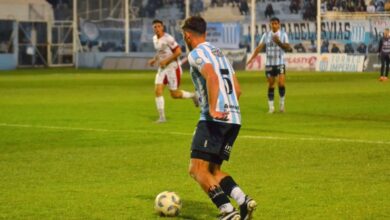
317	139
188	134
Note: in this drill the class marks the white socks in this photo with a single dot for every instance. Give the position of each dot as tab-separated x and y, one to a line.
238	195
160	106
187	95
160	102
227	207
271	105
281	101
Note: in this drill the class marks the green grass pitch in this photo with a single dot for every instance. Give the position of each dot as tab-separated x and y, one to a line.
82	144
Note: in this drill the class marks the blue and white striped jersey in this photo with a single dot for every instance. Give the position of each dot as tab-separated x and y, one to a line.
274	54
227	99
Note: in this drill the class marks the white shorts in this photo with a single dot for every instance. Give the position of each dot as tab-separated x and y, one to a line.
169	75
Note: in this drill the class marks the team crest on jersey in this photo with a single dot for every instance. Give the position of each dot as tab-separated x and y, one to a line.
198	61
217	52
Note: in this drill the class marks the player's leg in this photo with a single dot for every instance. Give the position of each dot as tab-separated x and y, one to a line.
174	77
387	67
159	88
159	98
200	171
231	188
282	87
383	62
227	183
204	151
271	89
179	94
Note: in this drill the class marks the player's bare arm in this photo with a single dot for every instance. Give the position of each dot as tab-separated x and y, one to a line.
285	46
152	61
173	57
237	87
257	51
213	88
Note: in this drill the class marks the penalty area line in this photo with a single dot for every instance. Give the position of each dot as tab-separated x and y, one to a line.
258	137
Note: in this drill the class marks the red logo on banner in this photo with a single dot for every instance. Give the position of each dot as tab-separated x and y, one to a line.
256	63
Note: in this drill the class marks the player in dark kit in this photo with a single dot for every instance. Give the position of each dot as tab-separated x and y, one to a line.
384	54
219	124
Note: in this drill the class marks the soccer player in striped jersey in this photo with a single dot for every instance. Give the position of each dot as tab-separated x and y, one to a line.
276	43
169	71
219	124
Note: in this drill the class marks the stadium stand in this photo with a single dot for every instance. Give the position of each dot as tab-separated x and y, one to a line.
353	26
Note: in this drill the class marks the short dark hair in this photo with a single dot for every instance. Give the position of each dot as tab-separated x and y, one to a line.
196	24
157	21
274	19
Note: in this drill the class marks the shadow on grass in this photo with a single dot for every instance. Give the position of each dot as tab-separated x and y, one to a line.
196	210
191	210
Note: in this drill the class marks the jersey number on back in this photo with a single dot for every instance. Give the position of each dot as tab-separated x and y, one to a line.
226	81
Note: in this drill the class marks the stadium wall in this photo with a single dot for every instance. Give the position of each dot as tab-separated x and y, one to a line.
114	60
139	60
7	62
310	62
94	59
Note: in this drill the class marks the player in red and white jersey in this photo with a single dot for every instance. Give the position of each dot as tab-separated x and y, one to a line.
169	71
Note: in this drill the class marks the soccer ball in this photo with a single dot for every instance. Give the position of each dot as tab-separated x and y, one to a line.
167	204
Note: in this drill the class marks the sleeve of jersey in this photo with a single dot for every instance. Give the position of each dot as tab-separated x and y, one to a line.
285	37
262	39
197	59
172	43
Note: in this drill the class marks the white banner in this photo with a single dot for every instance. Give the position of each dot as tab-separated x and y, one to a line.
294	61
310	62
303	61
340	63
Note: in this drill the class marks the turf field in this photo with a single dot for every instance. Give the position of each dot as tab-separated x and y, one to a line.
84	145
